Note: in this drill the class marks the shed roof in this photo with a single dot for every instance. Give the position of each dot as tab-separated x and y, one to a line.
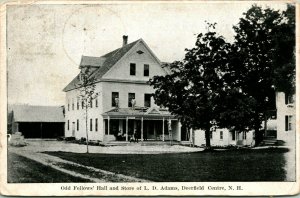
91	61
28	113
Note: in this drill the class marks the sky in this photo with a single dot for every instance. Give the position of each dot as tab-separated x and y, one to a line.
45	42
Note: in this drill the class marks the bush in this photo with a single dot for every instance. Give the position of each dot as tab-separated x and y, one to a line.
94	142
61	138
69	139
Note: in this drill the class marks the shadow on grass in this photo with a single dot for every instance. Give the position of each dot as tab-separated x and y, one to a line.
23	170
228	165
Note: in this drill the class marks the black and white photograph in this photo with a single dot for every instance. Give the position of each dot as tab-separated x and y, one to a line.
149	98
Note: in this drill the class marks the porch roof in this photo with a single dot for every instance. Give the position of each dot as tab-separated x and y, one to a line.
146	112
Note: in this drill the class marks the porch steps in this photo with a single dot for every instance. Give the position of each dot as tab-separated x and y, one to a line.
269	142
144	143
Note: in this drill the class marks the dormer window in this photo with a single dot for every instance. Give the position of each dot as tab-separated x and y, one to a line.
132	69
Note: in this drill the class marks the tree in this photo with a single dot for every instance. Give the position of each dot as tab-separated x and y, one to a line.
86	87
192	90
264	43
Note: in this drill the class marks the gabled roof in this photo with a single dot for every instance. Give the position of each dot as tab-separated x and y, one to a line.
112	58
28	113
104	63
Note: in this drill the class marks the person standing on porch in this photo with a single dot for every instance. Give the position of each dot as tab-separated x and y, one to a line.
135	135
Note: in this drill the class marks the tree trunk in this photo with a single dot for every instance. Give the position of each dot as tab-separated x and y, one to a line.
86	130
258	133
207	138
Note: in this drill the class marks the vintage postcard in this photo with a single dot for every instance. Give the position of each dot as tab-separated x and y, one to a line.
149	98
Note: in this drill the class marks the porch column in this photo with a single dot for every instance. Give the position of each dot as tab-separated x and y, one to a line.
170	131
17	127
104	127
142	129
179	130
126	129
108	125
163	129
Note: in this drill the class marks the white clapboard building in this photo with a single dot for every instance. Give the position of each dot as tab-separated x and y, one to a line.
125	104
123	74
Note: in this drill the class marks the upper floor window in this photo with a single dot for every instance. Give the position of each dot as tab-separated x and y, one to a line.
221	135
96	124
147	100
82	104
91	124
146	70
91	103
115	99
132	69
131	99
96	102
77	103
72	104
211	135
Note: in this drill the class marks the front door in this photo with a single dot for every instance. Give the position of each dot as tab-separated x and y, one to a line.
73	129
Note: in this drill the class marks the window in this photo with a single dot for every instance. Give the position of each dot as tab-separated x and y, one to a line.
131	96
106	126
96	102
91	103
146	70
211	135
77	125
68	125
221	135
233	135
82	104
147	100
244	135
114	101
132	69
77	103
288	122
289	98
91	124
96	124
72	104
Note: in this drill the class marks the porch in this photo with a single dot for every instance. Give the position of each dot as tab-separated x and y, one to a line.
149	124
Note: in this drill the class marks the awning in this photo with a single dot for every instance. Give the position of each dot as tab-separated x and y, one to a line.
151	113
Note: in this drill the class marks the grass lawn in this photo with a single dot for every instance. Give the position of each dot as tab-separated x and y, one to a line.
23	170
230	165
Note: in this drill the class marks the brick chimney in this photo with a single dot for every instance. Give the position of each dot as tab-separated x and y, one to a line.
125	40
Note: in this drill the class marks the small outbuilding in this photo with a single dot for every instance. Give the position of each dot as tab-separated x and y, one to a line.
36	121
